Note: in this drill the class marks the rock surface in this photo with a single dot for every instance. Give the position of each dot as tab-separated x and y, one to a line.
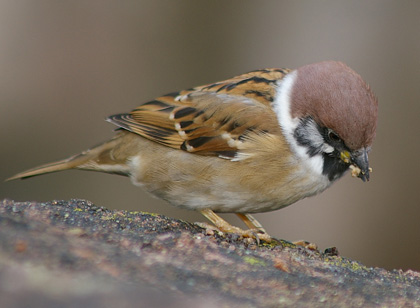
74	254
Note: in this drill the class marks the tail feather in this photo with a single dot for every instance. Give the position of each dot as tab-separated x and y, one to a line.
99	158
65	164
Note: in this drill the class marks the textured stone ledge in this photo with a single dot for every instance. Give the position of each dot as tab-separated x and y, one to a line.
73	253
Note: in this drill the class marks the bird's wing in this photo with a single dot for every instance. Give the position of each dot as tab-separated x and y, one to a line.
215	119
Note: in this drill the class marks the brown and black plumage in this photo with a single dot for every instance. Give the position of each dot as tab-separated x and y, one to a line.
253	143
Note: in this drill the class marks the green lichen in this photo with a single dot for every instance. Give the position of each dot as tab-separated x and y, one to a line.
114	216
145	213
275	242
254	261
286	244
344	263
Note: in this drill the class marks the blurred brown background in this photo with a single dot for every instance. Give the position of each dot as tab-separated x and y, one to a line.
66	65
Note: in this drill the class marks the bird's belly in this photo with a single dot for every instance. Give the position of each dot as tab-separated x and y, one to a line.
197	186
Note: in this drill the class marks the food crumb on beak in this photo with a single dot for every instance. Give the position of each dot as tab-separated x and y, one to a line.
355	171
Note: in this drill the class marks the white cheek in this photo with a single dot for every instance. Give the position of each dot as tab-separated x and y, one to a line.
316	163
281	107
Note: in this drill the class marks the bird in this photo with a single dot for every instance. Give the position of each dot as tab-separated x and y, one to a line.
253	143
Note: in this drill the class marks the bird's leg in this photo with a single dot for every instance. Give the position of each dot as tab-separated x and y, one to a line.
254	224
251	222
224	226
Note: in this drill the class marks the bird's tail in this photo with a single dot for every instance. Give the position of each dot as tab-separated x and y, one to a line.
99	158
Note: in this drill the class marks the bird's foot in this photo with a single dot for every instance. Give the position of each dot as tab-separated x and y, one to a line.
257	232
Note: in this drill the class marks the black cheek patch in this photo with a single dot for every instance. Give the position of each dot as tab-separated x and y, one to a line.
302	138
333	167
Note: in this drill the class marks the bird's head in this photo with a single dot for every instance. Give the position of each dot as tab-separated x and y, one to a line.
328	111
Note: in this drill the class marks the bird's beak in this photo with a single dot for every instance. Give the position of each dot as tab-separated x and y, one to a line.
360	160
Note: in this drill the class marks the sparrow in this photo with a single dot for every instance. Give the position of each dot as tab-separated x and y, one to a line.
254	143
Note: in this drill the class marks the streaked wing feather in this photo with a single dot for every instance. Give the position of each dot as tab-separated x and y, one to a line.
213	119
160	134
258	84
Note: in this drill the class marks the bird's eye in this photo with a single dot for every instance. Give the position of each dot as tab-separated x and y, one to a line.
333	136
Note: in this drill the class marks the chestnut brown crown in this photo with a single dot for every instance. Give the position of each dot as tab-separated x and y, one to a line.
338	98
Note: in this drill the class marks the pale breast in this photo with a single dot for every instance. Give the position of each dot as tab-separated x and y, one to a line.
261	183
